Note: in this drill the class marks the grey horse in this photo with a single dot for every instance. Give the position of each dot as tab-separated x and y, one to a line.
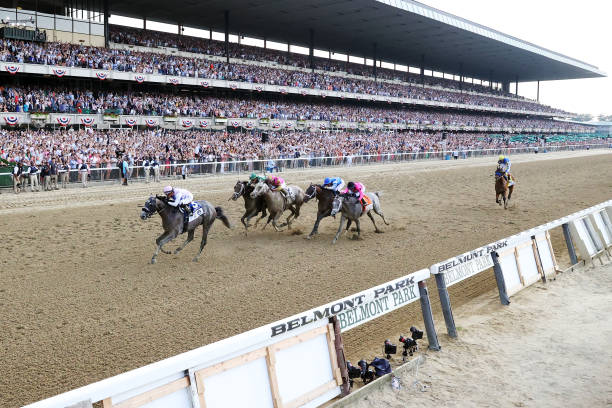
172	221
252	206
276	203
351	210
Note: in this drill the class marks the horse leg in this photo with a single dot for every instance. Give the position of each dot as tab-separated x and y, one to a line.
188	240
348	224
358	228
339	229
374	222
378	211
290	218
161	241
275	219
205	229
315	229
264	213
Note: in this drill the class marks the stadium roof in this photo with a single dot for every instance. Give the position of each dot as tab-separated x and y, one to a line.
404	31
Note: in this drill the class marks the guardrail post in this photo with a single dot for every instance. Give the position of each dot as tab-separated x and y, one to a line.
339	344
432	337
447	311
570	244
499	277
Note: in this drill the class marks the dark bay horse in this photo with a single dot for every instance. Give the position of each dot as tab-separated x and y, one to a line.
172	222
325	197
252	206
503	189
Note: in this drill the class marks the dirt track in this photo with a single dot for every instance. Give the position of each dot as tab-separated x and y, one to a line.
80	302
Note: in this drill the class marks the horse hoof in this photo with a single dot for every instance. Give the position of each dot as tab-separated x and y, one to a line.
196	259
153	261
379	232
177	250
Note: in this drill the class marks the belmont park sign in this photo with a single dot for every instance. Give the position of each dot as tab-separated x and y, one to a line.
361	307
468	264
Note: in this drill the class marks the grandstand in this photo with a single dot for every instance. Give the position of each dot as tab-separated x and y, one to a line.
397	72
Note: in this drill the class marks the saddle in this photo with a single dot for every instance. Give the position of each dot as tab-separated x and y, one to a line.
366	203
195	210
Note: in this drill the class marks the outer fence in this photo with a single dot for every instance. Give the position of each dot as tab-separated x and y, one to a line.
173	170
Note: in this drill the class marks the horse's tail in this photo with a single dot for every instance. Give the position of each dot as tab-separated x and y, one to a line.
221	216
378	193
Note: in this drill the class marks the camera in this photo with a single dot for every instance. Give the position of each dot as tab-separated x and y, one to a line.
416	334
367	375
410	346
389	348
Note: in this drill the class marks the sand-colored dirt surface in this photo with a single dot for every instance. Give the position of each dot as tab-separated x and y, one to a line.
549	348
80	301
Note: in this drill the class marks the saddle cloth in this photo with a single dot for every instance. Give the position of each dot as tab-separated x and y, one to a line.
366	204
196	210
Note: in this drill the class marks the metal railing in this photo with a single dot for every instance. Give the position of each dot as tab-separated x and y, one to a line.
178	169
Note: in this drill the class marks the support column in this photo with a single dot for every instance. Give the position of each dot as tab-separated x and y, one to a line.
499	278
106	29
265	43
423	69
432	337
144	24
461	76
447	311
506	86
311	50
227	36
516	87
180	29
570	244
538	98
375	56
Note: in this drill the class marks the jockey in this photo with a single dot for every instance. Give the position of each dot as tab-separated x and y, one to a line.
334	184
254	179
355	190
180	198
503	164
278	184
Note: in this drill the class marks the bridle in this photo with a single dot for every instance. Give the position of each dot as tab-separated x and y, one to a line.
239	193
149	212
314	192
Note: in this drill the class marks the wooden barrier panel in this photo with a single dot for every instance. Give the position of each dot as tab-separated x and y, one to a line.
548	262
602	225
522	264
587	243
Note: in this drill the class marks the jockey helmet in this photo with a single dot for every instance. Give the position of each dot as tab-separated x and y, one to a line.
328	180
351	185
168	189
501	157
253	176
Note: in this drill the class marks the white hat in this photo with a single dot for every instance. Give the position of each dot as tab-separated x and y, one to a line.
168	189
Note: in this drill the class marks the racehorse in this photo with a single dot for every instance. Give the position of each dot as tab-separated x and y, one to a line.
352	209
173	223
252	206
325	198
503	189
276	203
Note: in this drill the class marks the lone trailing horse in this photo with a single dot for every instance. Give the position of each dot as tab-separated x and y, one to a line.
277	204
252	206
325	197
351	209
173	223
503	188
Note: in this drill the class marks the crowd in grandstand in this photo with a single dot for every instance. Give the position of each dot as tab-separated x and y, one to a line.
102	149
65	100
155	63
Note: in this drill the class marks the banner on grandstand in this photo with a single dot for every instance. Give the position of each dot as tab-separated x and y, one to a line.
249	124
12	69
361	307
468	264
11	120
63	120
234	123
174	81
275	125
101	75
233	86
259	88
204	123
289	125
205	84
131	122
187	123
87	121
58	72
151	122
283	91
139	78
